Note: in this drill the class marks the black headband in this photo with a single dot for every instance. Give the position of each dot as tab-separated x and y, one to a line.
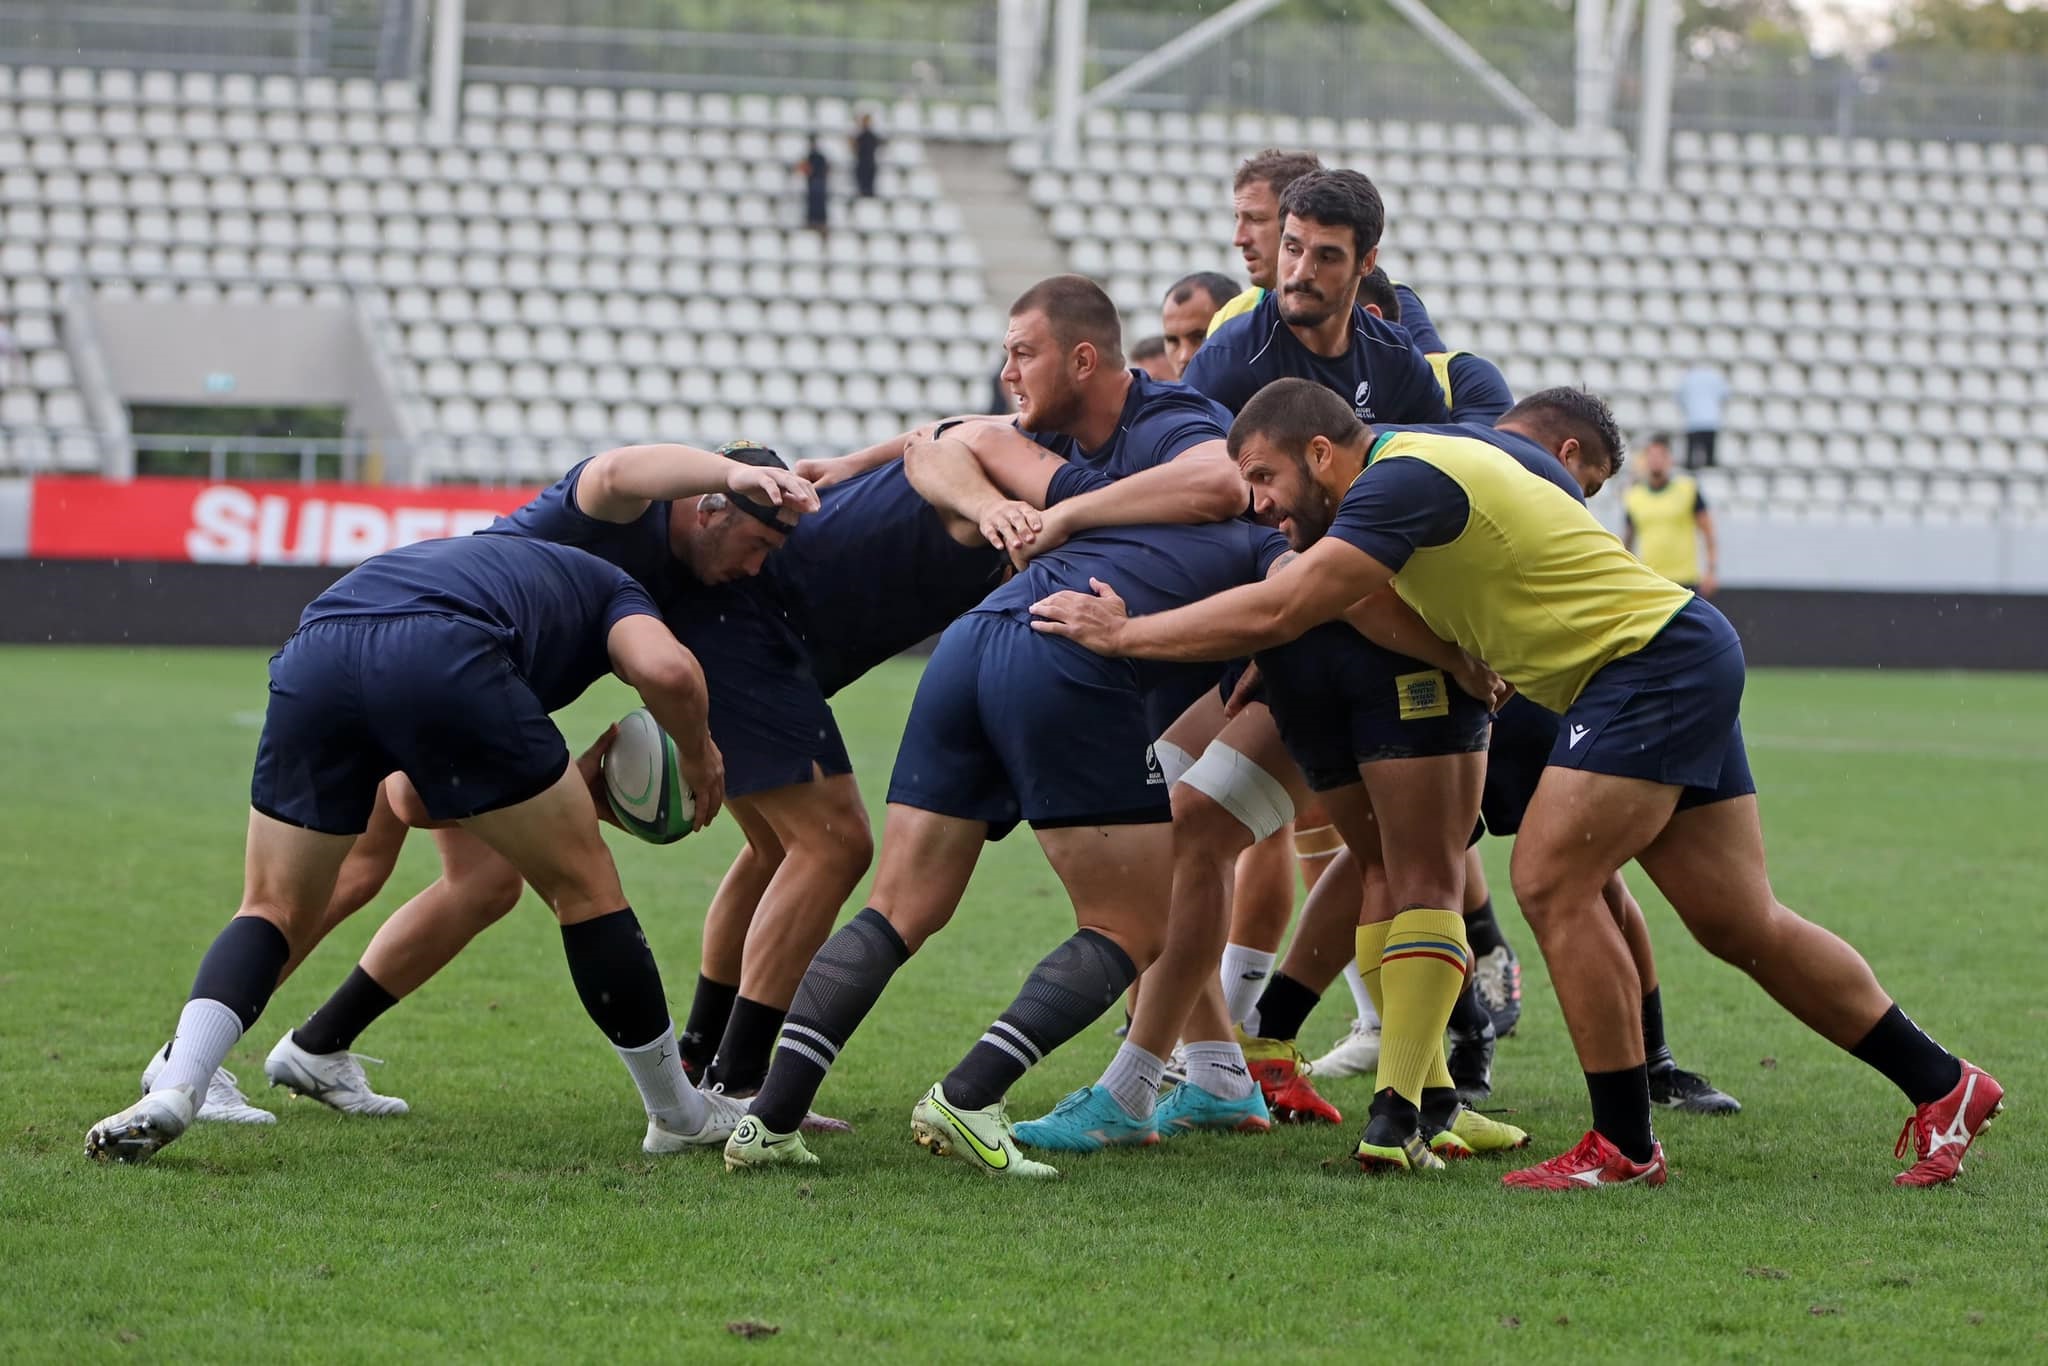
767	514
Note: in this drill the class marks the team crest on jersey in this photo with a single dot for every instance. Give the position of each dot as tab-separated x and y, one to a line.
1361	399
1154	775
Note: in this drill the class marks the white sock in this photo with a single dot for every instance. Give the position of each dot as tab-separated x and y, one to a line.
1360	997
206	1031
657	1070
1133	1079
1219	1069
1244	977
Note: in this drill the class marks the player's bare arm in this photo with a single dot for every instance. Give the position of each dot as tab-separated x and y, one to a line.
620	484
1390	623
824	473
669	680
947	472
1710	582
1201	484
1328	578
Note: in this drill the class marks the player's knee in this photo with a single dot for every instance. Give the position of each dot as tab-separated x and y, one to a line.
495	891
1203	830
1228	797
844	845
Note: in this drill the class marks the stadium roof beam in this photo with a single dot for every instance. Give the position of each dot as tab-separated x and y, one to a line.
1486	73
1069	33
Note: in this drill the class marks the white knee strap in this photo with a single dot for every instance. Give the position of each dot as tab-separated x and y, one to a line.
1173	761
1242	788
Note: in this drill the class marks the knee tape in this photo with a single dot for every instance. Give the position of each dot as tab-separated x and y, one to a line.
1173	761
1242	788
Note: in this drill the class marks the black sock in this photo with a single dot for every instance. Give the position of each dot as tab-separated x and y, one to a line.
1482	931
742	1058
241	966
615	975
839	989
1439	1107
1621	1110
1284	1007
1391	1105
710	1012
353	1007
1069	990
1655	1048
1468	1017
1911	1061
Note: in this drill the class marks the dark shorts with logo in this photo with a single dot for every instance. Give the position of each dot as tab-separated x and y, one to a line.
1012	725
1669	713
1341	701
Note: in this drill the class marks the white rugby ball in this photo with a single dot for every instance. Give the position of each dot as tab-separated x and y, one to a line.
644	783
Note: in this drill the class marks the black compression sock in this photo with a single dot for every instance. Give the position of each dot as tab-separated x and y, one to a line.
1284	1007
1068	991
839	989
615	975
1911	1061
1482	931
710	1012
742	1059
1655	1047
241	966
1621	1110
353	1007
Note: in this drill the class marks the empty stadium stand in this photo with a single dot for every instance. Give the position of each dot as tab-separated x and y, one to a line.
577	267
587	265
1879	308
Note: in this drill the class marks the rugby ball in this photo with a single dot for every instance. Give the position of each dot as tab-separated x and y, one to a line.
644	784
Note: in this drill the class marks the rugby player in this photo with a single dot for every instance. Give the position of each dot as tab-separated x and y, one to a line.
1502	557
1190	304
972	765
1255	192
675	518
1239	792
442	661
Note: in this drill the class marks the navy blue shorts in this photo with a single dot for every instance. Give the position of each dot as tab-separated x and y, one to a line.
1341	701
1669	713
1524	733
1011	725
435	698
769	717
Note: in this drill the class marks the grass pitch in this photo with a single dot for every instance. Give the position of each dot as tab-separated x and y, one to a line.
512	1215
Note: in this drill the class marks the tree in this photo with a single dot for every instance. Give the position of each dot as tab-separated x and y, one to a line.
1959	25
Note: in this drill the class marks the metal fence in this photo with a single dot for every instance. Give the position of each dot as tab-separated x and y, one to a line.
945	49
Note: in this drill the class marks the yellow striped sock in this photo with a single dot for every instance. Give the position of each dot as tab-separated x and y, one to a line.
1422	970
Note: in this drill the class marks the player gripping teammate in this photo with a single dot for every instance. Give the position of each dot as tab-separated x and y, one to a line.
677	519
1498	556
442	661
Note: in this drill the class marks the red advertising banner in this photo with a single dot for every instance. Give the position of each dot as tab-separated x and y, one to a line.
248	523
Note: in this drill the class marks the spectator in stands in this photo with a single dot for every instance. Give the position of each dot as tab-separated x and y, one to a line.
1184	315
1668	515
1150	356
1701	392
867	152
817	173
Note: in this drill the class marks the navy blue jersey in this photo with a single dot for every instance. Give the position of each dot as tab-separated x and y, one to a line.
872	572
1417	323
1381	372
550	607
1479	391
1160	420
1153	569
640	547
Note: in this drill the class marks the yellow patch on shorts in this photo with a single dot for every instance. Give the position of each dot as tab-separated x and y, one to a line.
1423	695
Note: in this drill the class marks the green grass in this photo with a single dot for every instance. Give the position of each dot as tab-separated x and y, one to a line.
512	1215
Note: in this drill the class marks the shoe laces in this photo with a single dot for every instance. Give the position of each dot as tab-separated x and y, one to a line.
1070	1103
223	1087
1585	1150
1360	1029
1919	1125
352	1068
